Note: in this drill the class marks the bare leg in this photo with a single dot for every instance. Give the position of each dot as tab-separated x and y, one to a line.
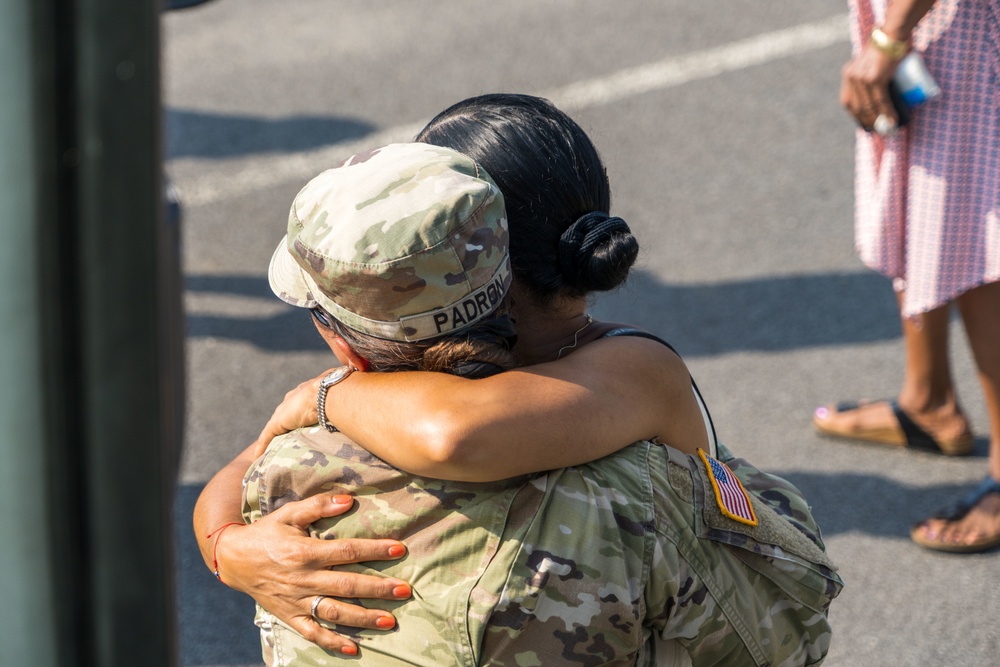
927	395
927	383
980	310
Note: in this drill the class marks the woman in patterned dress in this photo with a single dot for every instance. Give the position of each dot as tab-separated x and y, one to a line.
928	217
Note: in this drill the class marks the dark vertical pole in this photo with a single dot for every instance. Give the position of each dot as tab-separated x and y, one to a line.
127	338
27	564
90	323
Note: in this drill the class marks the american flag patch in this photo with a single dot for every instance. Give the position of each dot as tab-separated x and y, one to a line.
729	492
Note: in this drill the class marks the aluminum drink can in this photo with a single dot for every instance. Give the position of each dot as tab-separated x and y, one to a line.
915	84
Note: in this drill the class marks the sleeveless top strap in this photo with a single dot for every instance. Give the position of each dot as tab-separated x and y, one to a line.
709	426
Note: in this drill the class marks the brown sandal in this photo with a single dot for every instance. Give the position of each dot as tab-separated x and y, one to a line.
905	433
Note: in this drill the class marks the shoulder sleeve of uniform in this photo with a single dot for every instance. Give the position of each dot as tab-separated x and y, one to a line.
296	465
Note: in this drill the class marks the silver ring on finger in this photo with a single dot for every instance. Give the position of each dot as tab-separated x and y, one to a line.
885	126
315	607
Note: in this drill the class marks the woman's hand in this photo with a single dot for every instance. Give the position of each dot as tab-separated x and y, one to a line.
298	409
298	570
864	89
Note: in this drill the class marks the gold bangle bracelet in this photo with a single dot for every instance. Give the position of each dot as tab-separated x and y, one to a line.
893	48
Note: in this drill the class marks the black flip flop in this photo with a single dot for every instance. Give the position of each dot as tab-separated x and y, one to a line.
955	512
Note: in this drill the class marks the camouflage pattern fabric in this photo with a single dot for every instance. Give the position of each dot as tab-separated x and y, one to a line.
405	242
592	565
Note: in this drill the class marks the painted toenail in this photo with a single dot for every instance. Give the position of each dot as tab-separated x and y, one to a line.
822	412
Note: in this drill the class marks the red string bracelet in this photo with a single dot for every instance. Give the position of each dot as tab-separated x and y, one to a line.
215	548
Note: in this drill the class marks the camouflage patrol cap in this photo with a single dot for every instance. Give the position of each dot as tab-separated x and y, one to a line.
405	242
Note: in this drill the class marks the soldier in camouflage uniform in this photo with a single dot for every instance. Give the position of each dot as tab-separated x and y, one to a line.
580	566
591	565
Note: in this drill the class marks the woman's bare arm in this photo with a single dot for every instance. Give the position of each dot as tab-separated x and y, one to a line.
604	396
298	566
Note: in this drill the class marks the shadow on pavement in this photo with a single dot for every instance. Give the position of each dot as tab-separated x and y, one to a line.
211	135
869	504
763	314
290	330
287	332
767	314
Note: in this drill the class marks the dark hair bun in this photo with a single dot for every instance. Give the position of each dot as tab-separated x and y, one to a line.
596	252
549	172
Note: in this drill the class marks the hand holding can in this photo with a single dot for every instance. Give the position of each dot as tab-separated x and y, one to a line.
911	86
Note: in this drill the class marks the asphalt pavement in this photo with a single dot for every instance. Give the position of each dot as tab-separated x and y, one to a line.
730	159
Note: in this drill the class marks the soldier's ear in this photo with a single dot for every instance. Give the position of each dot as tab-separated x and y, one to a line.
347	355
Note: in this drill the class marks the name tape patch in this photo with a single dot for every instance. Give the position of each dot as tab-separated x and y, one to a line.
460	314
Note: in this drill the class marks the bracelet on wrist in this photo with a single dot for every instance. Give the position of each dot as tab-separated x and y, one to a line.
893	48
215	548
333	377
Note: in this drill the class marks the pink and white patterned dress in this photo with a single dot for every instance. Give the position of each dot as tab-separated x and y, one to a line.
927	200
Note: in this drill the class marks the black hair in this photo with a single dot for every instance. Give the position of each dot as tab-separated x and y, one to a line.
563	240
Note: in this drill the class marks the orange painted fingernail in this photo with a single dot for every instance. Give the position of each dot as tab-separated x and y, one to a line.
397	550
349	650
343	500
402	591
386	622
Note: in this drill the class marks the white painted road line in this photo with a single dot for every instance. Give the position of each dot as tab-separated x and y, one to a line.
678	70
263	171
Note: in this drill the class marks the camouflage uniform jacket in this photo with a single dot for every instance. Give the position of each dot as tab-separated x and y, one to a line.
579	566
